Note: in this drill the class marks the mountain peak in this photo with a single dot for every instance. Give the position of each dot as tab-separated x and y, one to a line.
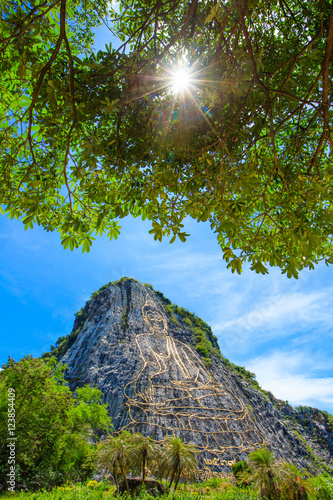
161	373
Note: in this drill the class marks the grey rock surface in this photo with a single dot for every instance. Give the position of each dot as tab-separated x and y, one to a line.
144	361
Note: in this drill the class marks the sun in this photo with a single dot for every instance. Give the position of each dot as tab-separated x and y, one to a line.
180	80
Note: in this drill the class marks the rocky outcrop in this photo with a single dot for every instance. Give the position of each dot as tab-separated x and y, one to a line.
161	373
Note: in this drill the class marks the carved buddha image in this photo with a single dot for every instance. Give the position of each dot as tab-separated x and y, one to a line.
174	392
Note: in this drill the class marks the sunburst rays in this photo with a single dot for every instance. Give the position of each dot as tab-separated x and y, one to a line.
178	88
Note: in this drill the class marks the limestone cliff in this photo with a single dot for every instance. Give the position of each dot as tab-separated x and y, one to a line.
161	373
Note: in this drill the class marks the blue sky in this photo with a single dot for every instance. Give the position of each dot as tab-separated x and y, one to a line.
278	328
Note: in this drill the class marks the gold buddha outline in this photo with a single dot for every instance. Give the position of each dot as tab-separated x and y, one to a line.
145	389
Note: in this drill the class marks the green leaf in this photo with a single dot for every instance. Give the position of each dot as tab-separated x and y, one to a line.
182	236
114	231
65	242
73	243
259	268
28	219
235	265
228	254
86	244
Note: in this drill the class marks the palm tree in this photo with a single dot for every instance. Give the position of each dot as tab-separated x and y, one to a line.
266	470
114	454
177	460
143	451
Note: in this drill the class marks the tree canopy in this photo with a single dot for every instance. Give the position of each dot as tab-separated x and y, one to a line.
51	425
89	138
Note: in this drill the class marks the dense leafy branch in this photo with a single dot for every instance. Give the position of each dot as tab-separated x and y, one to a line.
88	138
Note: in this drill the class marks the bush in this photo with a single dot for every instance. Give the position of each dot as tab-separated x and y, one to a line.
214	482
169	309
202	350
323	487
240	472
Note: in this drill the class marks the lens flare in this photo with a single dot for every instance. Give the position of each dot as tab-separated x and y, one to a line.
180	80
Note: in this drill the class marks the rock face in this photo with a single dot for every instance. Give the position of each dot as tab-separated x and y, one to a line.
160	377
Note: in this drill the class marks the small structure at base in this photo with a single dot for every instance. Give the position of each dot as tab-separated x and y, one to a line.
135	484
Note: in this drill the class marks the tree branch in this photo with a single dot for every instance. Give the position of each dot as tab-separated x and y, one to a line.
24	28
325	68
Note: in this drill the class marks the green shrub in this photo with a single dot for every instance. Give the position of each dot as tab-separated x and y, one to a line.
214	482
202	350
124	319
323	486
169	309
239	470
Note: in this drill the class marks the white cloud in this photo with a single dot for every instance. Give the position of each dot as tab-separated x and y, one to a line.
183	261
292	377
278	309
275	311
258	317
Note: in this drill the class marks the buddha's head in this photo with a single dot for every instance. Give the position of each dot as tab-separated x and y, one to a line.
154	318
